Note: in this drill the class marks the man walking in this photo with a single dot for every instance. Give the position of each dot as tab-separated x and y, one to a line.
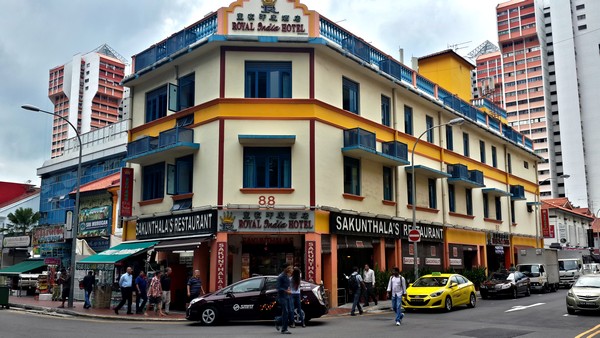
283	298
194	286
141	287
369	278
126	285
396	288
88	287
355	284
165	283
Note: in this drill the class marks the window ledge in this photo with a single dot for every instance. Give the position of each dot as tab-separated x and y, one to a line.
266	190
353	197
424	209
153	201
455	214
491	220
182	196
387	202
514	224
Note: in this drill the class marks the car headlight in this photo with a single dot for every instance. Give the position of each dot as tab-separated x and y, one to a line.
437	293
506	286
195	300
317	291
570	293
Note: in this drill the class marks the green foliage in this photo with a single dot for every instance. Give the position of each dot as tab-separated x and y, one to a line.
22	220
381	281
477	275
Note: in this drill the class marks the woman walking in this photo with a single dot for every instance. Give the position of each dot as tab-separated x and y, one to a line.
296	297
155	294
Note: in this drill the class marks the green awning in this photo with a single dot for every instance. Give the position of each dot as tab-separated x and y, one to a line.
118	253
24	266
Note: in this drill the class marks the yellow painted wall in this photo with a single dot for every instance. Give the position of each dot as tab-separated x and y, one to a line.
449	73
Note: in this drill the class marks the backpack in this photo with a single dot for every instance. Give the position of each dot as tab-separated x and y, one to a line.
352	283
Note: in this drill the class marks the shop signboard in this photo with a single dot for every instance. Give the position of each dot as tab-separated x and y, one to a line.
311	263
348	224
95	266
221	265
49	234
266	221
433	261
410	260
193	223
16	242
126	192
545	223
98	244
455	261
495	238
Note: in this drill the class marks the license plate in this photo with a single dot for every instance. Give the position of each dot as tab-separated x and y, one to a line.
587	303
492	291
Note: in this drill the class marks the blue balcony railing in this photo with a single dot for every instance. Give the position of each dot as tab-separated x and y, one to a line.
458	171
175	135
395	149
518	192
489	105
359	137
142	145
476	176
425	85
396	70
357	47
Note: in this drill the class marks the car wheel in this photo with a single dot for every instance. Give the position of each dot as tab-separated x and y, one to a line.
448	304
545	288
528	292
515	294
472	301
570	311
209	315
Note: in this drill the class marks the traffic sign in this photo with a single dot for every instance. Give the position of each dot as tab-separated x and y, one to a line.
414	235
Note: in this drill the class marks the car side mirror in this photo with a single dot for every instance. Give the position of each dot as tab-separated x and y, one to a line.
453	284
229	294
542	269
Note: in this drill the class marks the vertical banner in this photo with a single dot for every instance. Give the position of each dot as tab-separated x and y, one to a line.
311	264
545	224
126	192
221	265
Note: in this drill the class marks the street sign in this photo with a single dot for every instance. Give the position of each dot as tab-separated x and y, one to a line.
414	235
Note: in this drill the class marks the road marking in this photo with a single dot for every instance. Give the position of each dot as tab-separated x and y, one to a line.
583	334
523	307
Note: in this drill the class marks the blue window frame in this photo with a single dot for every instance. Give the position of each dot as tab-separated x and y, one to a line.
469	201
449	138
180	176
385	111
186	91
408	120
482	151
351	176
451	198
494	157
429	126
388	184
266	167
466	151
498	203
153	178
268	79
350	96
432	193
156	104
486	209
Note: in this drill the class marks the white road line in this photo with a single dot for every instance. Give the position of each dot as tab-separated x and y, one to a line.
523	307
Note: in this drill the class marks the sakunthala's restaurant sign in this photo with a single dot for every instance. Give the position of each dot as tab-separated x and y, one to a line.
193	223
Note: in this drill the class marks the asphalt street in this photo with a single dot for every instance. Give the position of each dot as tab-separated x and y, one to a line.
535	316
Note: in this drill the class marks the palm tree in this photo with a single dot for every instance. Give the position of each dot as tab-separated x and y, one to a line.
22	220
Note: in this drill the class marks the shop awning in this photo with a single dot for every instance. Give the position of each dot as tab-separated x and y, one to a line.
24	266
119	252
183	244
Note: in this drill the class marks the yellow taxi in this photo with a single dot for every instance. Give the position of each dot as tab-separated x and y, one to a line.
440	291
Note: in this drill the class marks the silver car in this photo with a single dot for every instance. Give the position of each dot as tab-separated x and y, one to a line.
584	295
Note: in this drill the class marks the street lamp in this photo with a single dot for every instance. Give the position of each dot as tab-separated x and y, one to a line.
75	222
454	122
537	203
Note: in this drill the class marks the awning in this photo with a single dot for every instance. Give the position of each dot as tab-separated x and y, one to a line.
24	266
495	192
425	171
183	244
263	140
119	252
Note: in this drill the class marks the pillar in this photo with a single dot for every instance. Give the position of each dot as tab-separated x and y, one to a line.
217	269
379	255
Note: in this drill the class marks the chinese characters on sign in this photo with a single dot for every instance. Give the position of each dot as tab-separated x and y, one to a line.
285	18
263	220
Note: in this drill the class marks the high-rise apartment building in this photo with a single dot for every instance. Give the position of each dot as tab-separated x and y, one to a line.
86	91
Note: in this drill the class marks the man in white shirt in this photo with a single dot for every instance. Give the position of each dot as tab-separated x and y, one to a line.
369	279
396	288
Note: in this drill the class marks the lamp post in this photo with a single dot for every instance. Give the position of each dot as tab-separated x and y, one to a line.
537	204
75	221
453	122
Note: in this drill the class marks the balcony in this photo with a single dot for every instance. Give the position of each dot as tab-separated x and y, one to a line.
461	175
360	143
169	144
518	192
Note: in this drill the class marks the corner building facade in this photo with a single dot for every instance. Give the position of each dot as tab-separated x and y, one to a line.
294	136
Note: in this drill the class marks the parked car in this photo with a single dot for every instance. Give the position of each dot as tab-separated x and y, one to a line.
253	299
440	291
584	295
505	283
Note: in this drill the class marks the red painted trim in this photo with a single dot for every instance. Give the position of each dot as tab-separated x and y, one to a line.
353	197
222	73
491	220
424	209
266	190
455	214
182	196
221	161
148	202
386	202
312	165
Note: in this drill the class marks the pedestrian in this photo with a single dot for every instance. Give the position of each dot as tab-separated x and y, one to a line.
369	279
89	282
65	282
283	298
155	293
396	289
56	287
165	283
141	287
194	286
356	284
296	298
126	285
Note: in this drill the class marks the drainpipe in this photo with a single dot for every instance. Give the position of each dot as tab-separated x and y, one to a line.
444	189
396	171
509	207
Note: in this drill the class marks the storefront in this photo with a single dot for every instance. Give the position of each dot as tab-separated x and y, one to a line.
498	251
95	221
465	248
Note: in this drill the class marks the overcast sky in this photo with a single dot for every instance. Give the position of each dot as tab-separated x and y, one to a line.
37	35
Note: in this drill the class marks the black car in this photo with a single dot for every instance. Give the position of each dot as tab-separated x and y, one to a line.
253	299
505	283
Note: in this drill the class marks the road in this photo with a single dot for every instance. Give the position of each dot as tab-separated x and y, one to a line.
535	316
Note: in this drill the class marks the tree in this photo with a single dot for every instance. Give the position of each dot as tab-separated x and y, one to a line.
22	220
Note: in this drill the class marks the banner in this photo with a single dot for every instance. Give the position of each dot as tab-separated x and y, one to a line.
193	223
126	192
49	234
347	224
221	265
545	224
311	261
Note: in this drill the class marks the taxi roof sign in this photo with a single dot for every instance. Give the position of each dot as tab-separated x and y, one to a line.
436	273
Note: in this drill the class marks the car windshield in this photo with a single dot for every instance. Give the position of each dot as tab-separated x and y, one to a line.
431	281
499	276
567	265
530	270
587	282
